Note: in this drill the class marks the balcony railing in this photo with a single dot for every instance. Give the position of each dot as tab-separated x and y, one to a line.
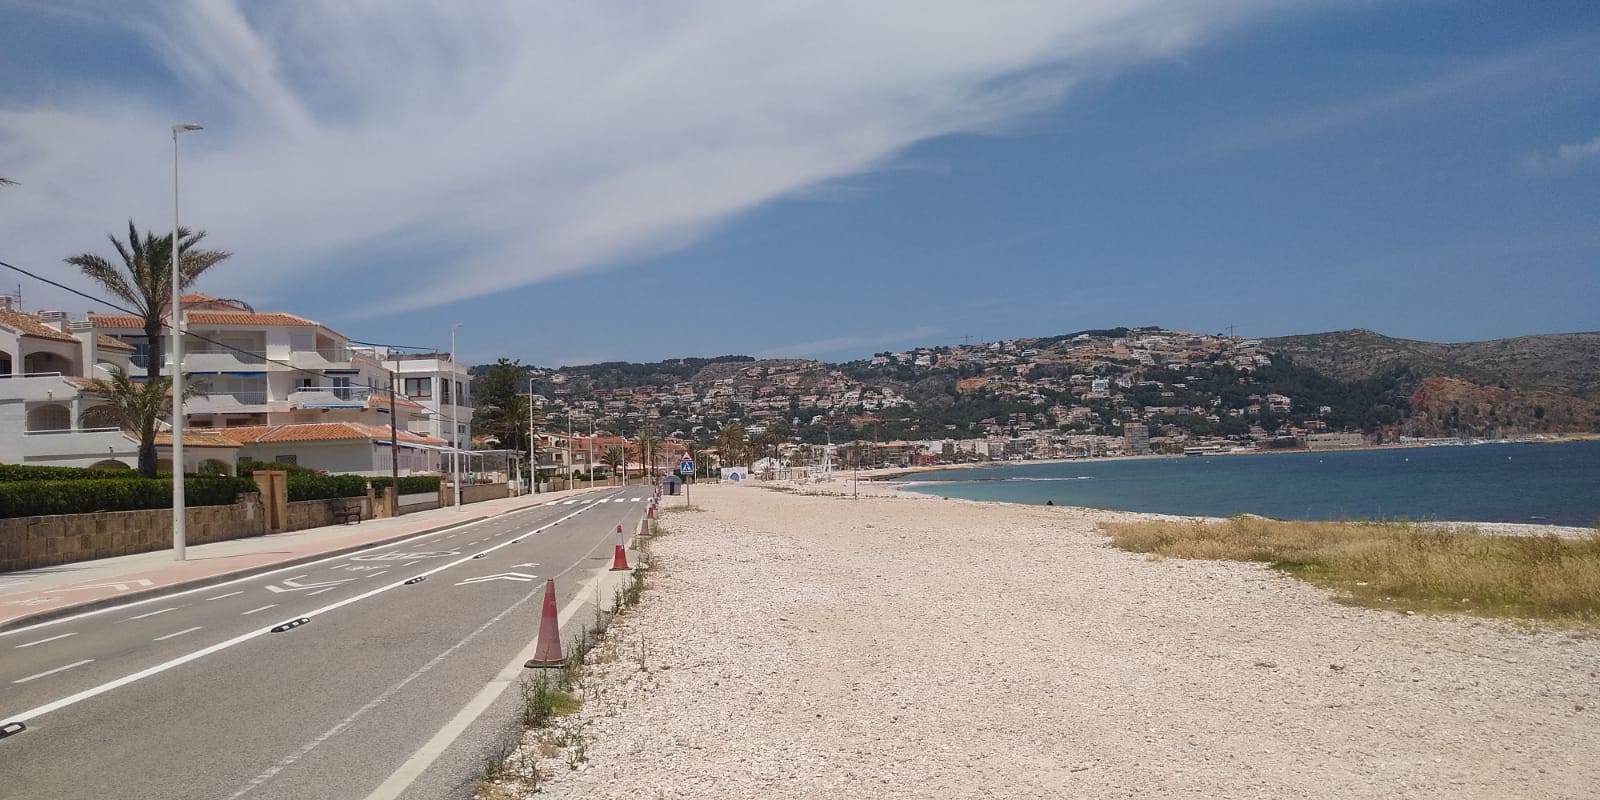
313	396
218	401
219	358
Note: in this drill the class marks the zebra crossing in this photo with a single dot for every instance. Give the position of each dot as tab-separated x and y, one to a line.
587	500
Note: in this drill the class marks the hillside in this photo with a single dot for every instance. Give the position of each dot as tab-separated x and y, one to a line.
1568	363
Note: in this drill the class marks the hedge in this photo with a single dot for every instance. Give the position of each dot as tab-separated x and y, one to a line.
25	472
411	484
41	498
249	466
324	487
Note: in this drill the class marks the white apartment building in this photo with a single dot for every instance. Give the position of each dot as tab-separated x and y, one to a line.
278	387
441	386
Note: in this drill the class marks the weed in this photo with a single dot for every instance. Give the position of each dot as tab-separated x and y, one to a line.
1399	566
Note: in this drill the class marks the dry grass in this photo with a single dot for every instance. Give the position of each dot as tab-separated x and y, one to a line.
1398	566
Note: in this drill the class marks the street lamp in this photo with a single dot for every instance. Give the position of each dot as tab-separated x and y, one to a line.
179	529
455	427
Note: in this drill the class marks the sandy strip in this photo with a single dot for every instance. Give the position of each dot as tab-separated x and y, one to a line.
822	647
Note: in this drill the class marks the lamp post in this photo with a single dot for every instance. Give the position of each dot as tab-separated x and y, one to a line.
175	333
533	451
455	427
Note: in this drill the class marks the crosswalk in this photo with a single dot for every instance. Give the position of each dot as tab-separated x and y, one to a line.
587	500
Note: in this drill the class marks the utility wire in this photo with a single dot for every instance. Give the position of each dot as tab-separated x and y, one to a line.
191	334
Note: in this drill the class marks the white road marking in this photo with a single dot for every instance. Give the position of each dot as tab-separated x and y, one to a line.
376	574
504	576
153	613
402	778
254	610
637	499
35	713
220	596
179	633
53	671
320	591
42	641
409	563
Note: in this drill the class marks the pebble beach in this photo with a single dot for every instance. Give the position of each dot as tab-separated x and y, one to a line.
807	644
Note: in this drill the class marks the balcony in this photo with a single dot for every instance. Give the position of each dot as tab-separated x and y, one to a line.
224	360
321	358
43	387
333	396
225	402
84	442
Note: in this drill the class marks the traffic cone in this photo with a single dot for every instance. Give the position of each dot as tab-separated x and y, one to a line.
620	560
650	511
547	653
644	527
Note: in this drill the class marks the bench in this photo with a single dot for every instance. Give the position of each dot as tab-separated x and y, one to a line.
345	508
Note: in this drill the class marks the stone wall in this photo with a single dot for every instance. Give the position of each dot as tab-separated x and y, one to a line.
475	493
29	542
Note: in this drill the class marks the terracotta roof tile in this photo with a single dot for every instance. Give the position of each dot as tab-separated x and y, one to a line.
117	322
109	343
318	432
197	437
29	325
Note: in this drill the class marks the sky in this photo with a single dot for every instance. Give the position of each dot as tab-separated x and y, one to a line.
582	182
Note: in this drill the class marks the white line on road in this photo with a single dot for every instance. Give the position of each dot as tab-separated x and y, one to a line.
409	563
53	671
376	574
320	591
636	499
179	633
42	641
35	713
220	596
153	613
254	610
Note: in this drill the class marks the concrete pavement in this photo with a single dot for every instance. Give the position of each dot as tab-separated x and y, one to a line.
37	595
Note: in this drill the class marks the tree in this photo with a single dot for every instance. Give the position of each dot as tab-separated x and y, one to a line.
646	447
733	446
614	458
145	279
507	421
137	407
500	382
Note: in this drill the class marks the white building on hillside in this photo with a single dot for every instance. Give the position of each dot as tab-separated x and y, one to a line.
441	386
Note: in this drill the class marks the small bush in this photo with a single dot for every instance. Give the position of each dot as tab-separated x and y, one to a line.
41	498
24	472
249	466
302	486
411	484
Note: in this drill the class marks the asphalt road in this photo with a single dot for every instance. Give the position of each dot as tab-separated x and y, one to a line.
194	695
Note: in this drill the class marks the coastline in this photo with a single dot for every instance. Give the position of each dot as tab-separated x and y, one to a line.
802	644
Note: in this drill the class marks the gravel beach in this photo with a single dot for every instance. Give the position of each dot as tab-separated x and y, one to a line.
898	647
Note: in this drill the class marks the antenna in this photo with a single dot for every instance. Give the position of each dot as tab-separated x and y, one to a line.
966	339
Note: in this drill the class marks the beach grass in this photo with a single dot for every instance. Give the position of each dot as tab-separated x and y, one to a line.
1400	566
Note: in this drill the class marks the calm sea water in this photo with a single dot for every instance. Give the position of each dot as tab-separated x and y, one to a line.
1556	484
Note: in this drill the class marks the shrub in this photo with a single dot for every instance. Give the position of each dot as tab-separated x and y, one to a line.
40	498
411	484
249	466
302	486
25	472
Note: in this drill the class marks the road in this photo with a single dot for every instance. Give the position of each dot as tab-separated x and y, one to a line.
197	696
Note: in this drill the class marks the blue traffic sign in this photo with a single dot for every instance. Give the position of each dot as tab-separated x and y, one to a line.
686	466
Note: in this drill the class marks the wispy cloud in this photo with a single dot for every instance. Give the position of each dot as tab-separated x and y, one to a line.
1565	157
1477	83
427	155
857	343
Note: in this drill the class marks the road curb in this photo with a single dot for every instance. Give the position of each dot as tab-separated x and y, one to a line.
212	580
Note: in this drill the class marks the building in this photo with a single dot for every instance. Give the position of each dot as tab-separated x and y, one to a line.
1138	438
441	386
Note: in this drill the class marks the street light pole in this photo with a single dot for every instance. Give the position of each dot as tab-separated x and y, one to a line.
394	453
455	426
533	457
175	333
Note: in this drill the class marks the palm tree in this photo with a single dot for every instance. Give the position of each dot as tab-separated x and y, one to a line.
732	446
614	458
508	422
646	446
137	407
144	281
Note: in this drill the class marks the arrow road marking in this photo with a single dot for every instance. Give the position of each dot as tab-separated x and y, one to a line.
121	587
504	576
294	585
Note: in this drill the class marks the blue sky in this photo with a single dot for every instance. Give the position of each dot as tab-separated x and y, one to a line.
601	182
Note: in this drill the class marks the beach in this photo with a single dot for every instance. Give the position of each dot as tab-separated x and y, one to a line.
819	646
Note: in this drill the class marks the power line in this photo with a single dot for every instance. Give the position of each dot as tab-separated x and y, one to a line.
191	334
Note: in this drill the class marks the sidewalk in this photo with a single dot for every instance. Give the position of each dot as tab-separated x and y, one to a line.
45	593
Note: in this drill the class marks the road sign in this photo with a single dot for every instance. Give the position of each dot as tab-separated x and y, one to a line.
686	466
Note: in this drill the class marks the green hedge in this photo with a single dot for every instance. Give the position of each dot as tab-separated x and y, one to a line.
411	484
248	467
40	498
24	472
325	487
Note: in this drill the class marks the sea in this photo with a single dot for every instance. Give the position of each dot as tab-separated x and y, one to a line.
1539	483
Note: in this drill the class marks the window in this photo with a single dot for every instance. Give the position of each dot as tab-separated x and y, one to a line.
419	388
461	394
286	460
444	391
341	387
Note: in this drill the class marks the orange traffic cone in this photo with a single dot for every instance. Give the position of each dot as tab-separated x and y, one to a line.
620	560
644	527
547	653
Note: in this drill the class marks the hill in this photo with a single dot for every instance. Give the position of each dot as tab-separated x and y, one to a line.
1567	363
